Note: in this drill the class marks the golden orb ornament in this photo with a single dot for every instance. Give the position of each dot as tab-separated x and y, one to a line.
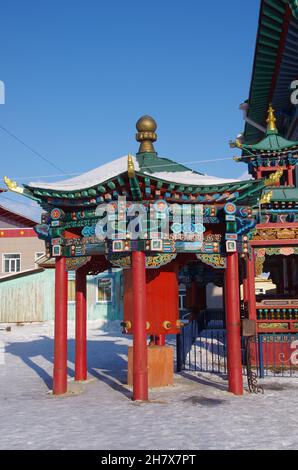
146	127
146	124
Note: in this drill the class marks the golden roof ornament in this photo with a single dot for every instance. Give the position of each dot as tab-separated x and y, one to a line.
266	198
130	167
12	185
271	121
146	127
274	178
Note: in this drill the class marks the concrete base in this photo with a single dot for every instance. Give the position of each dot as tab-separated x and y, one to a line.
160	366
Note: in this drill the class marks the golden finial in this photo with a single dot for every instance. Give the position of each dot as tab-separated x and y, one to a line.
266	198
271	120
274	178
12	185
130	167
238	144
146	127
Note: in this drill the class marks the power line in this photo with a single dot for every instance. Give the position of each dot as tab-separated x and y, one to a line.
151	166
30	148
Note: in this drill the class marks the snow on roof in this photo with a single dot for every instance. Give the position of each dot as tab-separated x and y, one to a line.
190	177
118	166
91	178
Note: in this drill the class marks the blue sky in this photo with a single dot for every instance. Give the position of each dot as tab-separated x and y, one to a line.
78	75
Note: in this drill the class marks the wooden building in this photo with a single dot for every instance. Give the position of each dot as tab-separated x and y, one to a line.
20	246
29	296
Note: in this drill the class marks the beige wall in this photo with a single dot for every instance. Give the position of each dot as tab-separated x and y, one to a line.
27	247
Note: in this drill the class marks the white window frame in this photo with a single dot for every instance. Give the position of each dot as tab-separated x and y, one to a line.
181	297
99	278
40	253
3	263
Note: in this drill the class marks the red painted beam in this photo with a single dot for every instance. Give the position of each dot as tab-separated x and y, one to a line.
140	360
17	233
234	361
269	243
277	225
81	326
60	338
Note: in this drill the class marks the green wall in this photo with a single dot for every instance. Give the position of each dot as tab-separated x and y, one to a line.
36	291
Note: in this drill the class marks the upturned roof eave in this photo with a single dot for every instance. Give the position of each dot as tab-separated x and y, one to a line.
40	193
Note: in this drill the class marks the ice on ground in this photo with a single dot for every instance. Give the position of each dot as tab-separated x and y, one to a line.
197	413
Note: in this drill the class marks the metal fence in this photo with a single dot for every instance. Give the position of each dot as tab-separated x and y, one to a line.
205	350
275	354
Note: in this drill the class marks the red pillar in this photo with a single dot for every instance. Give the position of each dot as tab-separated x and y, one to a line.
251	291
81	326
233	325
140	361
60	338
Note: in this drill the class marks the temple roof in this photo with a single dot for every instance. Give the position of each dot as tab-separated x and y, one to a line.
274	69
284	194
272	143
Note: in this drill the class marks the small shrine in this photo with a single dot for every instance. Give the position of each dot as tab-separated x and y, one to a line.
153	217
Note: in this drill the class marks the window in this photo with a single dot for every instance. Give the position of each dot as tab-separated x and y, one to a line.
38	255
11	262
104	289
182	296
260	290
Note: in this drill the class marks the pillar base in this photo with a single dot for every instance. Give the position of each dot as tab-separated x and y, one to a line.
160	366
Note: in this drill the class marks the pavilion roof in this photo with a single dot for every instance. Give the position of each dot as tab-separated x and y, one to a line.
144	164
152	177
144	177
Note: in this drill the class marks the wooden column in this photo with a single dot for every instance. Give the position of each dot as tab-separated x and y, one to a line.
140	360
233	325
60	335
251	291
81	325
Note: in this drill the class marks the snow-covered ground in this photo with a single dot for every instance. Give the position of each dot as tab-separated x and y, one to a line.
197	413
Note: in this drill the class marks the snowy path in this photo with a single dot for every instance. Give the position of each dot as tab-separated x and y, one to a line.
197	413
